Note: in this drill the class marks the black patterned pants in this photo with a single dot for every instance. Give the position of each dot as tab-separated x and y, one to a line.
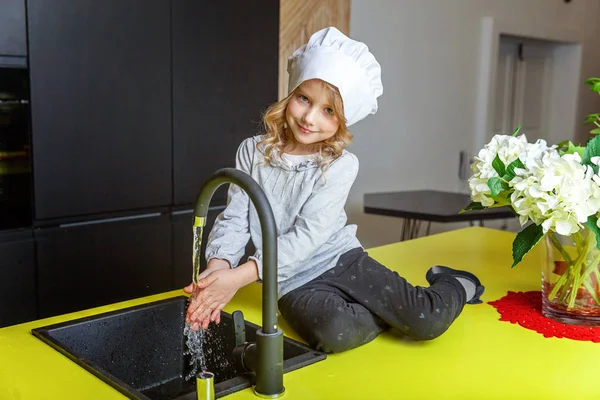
359	298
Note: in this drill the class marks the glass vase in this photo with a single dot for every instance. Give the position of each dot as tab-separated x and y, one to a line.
570	276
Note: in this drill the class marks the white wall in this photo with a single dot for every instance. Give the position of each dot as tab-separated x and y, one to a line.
429	51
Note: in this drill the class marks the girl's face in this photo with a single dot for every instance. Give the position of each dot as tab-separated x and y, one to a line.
310	117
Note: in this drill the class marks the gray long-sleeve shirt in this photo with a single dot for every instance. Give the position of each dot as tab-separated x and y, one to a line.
309	212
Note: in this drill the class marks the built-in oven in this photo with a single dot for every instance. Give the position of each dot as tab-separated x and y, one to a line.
15	155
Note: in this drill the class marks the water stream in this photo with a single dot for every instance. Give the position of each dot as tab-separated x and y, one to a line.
195	339
195	349
196	253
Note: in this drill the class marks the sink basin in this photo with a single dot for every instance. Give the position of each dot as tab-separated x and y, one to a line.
140	350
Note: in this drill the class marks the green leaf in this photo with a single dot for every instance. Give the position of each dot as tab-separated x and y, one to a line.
510	171
592	224
517	130
575	149
498	165
502	199
590	119
563	146
567	147
595	131
477	206
592	81
591	150
525	241
497	185
596	87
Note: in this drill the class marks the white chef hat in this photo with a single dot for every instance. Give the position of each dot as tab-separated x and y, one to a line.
347	64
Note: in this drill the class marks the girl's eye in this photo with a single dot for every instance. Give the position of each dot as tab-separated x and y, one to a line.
303	98
329	111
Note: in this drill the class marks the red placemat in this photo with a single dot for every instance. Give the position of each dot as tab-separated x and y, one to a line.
525	309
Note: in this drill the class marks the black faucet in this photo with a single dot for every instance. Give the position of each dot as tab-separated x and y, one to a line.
269	339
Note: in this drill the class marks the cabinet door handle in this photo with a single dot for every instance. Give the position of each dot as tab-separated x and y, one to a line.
191	210
14	101
107	220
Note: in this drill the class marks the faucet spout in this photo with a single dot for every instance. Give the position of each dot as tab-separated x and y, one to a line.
269	339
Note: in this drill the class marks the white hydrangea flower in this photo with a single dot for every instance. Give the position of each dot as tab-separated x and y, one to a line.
556	192
508	148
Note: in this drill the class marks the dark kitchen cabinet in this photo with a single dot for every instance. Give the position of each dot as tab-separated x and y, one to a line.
17	278
225	68
101	105
183	238
80	267
133	104
12	28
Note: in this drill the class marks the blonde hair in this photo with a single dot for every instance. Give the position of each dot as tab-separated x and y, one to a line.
277	137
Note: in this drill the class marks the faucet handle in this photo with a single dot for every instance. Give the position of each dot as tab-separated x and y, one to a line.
239	327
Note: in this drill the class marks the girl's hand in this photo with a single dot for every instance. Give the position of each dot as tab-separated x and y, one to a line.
214	264
210	296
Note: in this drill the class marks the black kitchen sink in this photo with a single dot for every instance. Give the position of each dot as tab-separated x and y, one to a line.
140	350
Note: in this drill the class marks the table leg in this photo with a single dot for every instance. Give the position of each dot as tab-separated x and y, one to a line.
411	228
416	229
407	229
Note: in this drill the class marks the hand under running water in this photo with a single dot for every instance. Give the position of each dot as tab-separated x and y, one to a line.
209	297
214	265
216	287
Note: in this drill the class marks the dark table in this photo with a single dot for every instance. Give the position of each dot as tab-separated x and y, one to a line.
428	205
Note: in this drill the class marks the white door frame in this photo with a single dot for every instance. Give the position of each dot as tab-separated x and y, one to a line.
564	98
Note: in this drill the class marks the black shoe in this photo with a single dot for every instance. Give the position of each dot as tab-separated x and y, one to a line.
436	271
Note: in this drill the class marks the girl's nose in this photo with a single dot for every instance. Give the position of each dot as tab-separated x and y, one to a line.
309	116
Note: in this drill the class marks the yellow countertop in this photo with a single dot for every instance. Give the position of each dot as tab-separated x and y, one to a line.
479	357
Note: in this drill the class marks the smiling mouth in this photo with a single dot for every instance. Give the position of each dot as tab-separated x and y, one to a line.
303	129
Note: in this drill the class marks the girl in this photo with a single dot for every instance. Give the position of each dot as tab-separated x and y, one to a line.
330	291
